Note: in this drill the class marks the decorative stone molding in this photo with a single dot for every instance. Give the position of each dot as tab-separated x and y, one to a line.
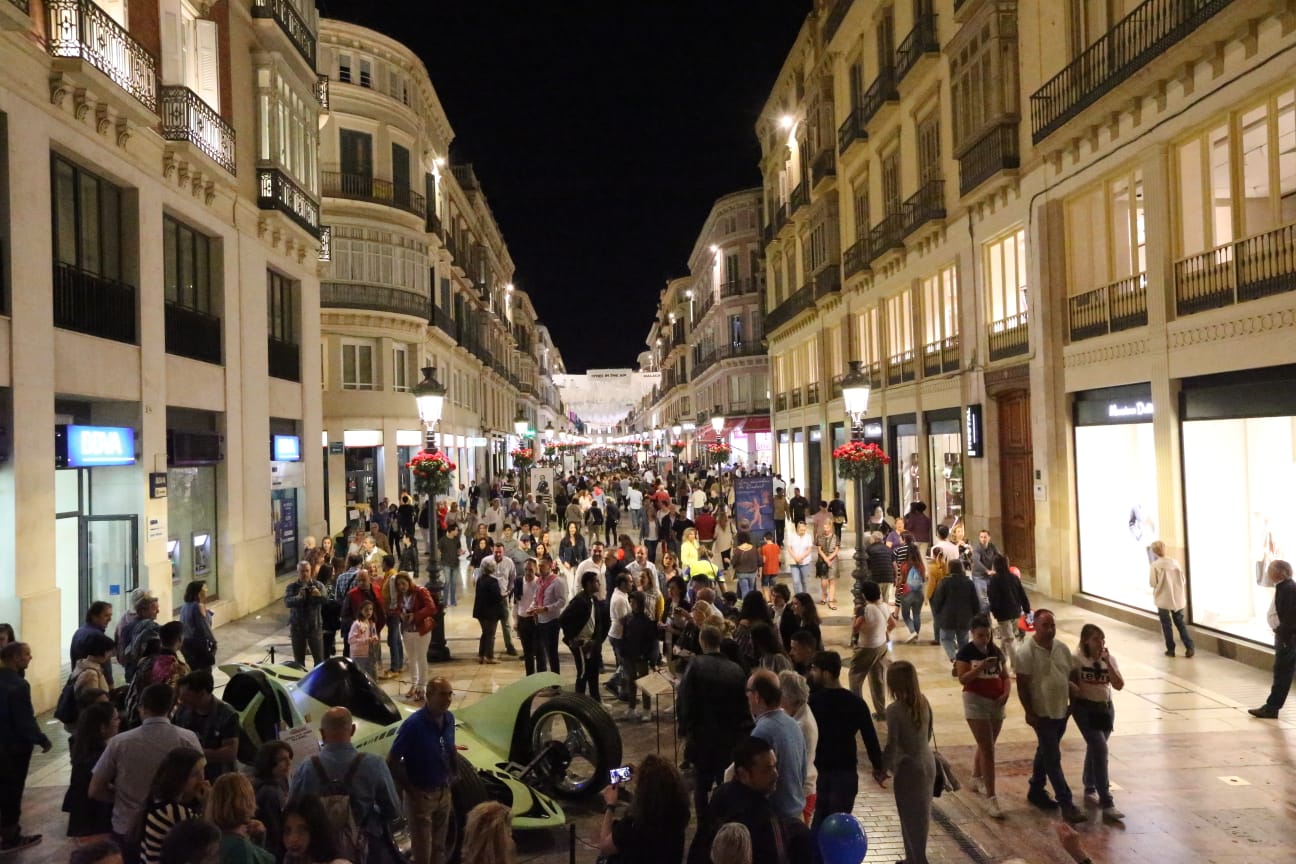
103	120
1105	353
1247	325
80	104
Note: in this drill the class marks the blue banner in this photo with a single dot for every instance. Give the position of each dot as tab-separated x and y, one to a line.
754	505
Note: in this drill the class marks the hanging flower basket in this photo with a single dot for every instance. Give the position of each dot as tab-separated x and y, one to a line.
718	453
432	472
859	461
523	458
677	447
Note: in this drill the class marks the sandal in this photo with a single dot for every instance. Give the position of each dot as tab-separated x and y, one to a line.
832	606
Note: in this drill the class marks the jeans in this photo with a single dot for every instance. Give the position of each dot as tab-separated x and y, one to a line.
588	667
1048	759
547	648
1178	616
911	604
800	573
532	655
395	644
835	790
486	645
746	583
618	674
507	626
430	812
449	576
416	648
1284	668
952	641
1094	720
303	637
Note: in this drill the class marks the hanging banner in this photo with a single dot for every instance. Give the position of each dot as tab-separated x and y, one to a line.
754	505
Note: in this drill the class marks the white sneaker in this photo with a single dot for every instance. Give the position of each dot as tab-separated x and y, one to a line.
992	807
978	785
913	637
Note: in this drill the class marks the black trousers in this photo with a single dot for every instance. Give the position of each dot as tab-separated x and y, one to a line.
547	652
705	777
588	668
835	792
530	639
486	645
14	762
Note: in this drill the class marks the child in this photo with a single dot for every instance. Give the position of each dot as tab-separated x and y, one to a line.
308	838
771	555
363	639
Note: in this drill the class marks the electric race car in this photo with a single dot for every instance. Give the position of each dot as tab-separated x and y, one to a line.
523	747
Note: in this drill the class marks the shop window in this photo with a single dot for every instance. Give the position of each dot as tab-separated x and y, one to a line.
1005	269
945	450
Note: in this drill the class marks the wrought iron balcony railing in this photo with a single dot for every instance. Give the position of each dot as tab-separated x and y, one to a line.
322	92
186	117
433	224
363	187
92	304
738	287
801	300
326	243
921	40
925	205
812	393
290	21
275	191
781	402
1247	269
1009	337
442	321
827	281
374	298
284	359
901	368
857	257
886	235
193	334
881	91
824	166
851	130
995	151
1134	41
742	349
1109	309
800	197
22	6
795	399
941	356
81	30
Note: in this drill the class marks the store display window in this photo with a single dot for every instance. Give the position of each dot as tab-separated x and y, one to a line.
945	451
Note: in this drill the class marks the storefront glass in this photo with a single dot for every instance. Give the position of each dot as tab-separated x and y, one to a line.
906	471
1238	480
785	454
945	450
798	476
283	524
191	527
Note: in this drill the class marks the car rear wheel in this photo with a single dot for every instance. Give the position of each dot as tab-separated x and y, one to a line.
590	738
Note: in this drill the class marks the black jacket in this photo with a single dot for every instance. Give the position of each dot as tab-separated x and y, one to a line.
955	602
18	727
713	712
488	602
734	802
573	619
881	566
1285	604
638	636
1007	597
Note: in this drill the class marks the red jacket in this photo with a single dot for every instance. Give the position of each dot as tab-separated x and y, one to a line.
423	613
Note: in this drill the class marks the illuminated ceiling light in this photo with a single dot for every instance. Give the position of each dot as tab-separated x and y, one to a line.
439	161
714	248
786	121
689	294
509	287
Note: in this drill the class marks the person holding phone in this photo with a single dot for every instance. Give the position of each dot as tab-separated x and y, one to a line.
1093	675
982	669
653	828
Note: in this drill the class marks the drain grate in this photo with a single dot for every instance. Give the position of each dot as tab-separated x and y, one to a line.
959	836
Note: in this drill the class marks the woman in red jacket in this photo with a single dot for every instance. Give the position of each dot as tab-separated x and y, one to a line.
417	615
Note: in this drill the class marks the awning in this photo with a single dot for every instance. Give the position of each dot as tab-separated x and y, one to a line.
752	425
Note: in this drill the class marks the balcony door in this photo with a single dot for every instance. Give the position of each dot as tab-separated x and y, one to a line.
886	40
357	162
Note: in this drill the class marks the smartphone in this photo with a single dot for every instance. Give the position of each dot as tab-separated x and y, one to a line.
991	666
619	775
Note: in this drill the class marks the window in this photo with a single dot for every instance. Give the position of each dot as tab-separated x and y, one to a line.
860	204
891	181
87	221
366	72
400	368
188	267
899	321
983	76
191	53
736	332
929	149
288	127
344	68
281	297
940	306
357	365
868	347
731	268
1106	234
1005	268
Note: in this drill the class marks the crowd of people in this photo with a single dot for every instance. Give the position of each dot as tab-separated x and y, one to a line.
655	571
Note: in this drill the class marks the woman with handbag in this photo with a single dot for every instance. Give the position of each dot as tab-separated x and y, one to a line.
908	757
198	644
1093	675
982	669
826	565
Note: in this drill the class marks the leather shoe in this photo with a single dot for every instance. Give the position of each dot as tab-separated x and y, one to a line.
1190	652
1042	800
1264	712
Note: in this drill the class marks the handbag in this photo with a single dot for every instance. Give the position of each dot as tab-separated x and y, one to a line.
946	780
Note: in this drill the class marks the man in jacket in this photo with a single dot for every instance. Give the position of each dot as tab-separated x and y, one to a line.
712	708
585	625
1282	618
97	619
953	605
19	736
1170	593
1008	601
304	598
881	564
984	553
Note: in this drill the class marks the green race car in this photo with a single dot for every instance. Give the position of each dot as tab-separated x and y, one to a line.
525	745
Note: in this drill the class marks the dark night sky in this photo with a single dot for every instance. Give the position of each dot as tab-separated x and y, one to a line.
602	131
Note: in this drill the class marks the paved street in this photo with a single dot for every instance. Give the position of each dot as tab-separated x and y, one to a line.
1198	779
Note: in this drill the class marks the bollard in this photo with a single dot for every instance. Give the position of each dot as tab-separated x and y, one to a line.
571	843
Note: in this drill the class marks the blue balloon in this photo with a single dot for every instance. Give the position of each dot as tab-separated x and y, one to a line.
842	840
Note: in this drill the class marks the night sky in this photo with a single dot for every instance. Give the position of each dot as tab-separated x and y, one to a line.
601	131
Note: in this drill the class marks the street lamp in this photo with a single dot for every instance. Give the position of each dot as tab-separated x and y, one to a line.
429	395
717	421
548	431
676	430
855	397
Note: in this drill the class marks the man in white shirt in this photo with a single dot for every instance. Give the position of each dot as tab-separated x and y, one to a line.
635	497
618	608
697	501
1043	675
551	599
640	564
949	549
505	573
596	564
528	635
494	518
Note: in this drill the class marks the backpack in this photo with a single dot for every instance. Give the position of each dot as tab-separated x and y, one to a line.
146	639
353	842
66	710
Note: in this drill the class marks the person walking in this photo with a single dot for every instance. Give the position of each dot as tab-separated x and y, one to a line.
304	598
908	759
954	605
198	643
97	619
872	629
1170	594
909	588
1008	601
551	599
712	707
532	651
1094	674
827	549
489	609
1282	620
585	625
982	669
801	553
841	715
422	763
19	736
1043	678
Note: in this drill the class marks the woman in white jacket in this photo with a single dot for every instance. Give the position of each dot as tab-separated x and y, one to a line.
1170	593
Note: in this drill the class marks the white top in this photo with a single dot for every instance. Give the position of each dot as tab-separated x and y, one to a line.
1169	589
636	499
810	729
873	632
800	547
1050	673
1094	677
698	500
588	566
529	589
619	608
948	549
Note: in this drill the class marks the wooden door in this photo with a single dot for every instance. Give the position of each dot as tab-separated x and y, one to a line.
1016	480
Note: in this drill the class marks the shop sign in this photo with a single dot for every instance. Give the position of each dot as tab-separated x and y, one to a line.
1114	405
287	448
873	430
973	430
158	484
336	448
96	446
1128	410
477	442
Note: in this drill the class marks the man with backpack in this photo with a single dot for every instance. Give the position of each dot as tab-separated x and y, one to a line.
164	666
422	759
356	788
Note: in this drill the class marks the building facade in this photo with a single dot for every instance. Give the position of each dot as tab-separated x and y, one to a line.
1068	273
420	277
155	390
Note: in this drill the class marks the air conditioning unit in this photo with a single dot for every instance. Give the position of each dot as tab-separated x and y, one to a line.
194	448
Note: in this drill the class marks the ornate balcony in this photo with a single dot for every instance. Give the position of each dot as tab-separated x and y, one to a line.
925	205
800	197
1119	306
1009	337
827	281
857	257
851	130
941	356
374	298
880	92
193	334
742	349
886	235
92	304
900	368
1248	269
186	117
781	402
795	401
442	321
322	92
812	393
326	243
362	187
994	151
1134	41
824	166
275	191
290	21
80	31
920	41
801	300
738	287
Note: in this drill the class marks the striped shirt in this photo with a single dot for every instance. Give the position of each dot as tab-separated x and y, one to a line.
158	820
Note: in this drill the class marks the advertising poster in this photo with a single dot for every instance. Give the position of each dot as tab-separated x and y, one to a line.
754	504
542	486
283	514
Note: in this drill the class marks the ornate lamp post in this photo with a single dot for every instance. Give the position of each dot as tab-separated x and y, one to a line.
430	395
855	397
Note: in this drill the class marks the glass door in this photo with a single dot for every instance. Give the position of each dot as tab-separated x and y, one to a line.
109	560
